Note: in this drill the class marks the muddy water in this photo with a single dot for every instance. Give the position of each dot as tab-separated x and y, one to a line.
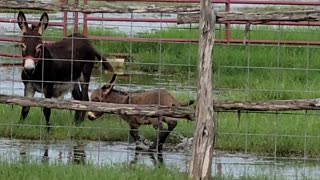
103	153
10	82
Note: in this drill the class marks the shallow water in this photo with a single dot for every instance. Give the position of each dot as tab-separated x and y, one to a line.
105	153
10	82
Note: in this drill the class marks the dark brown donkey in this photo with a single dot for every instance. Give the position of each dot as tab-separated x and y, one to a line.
153	97
57	68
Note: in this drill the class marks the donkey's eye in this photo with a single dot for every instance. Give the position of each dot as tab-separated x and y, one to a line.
23	46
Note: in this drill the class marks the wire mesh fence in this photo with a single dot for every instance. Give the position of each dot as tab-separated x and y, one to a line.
248	144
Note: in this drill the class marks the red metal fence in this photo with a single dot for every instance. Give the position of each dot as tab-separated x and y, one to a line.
227	38
228	4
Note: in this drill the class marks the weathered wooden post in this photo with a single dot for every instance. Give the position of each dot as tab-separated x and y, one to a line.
200	165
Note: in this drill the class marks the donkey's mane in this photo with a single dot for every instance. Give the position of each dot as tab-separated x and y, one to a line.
119	91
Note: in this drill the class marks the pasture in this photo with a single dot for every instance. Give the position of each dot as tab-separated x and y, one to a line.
89	172
240	72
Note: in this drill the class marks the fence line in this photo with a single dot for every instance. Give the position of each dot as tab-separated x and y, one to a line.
153	110
272	2
125	109
254	18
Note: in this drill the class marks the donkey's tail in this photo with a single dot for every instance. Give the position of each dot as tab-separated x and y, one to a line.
188	103
105	63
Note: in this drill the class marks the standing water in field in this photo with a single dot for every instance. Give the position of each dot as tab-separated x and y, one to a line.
11	84
103	153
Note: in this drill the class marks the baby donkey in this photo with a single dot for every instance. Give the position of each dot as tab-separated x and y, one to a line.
162	97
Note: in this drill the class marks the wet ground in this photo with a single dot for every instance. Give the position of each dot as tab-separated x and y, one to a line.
105	153
11	84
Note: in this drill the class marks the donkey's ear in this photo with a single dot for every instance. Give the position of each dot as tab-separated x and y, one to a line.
108	87
22	22
113	79
43	24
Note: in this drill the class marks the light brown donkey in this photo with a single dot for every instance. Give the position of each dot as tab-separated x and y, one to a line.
162	97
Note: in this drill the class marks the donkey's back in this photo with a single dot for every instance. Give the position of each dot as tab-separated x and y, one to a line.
154	97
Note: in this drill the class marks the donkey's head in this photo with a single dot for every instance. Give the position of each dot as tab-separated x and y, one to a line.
101	95
31	41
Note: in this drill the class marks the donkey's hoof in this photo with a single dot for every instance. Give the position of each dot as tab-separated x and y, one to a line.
154	148
141	146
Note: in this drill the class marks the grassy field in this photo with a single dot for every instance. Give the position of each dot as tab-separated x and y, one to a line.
34	171
265	134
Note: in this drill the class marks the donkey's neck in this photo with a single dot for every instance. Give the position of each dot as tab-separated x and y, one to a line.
117	96
43	65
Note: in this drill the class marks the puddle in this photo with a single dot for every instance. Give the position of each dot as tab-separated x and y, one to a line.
11	84
105	153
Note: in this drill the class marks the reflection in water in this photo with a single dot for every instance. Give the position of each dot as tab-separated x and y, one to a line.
156	158
76	154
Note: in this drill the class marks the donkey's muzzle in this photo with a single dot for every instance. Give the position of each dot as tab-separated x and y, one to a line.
29	65
91	116
29	70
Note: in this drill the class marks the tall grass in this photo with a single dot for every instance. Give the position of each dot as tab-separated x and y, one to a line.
35	171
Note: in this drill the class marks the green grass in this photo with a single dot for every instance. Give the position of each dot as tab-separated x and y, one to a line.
240	72
36	171
109	128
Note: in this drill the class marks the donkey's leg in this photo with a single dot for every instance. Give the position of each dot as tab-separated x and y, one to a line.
29	91
163	133
47	111
77	95
84	82
158	126
135	135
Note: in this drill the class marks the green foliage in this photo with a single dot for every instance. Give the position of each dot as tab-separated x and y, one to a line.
34	171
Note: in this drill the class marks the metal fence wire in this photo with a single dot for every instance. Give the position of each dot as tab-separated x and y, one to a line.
149	51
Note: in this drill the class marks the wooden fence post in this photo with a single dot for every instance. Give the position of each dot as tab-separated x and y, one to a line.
200	165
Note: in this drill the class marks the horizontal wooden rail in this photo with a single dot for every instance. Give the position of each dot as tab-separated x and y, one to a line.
262	2
127	109
258	18
36	5
278	105
154	110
